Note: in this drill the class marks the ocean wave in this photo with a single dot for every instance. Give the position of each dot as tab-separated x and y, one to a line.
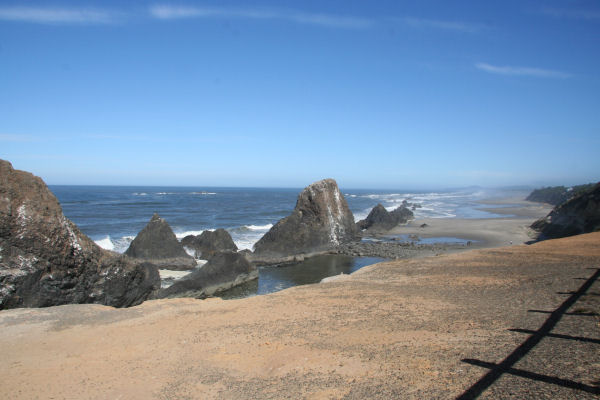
119	245
140	194
203	193
259	227
246	243
245	237
190	252
181	235
106	243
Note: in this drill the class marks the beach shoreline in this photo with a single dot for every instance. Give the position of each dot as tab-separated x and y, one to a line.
423	237
512	228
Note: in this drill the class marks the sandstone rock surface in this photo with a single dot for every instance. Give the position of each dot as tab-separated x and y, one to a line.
157	244
45	260
320	221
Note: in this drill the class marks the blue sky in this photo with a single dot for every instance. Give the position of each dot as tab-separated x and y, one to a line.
376	94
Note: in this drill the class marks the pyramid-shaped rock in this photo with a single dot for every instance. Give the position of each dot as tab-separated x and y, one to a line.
157	244
320	221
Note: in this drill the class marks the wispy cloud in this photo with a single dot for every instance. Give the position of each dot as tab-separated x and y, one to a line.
48	15
327	20
220	138
589	15
8	137
457	26
522	71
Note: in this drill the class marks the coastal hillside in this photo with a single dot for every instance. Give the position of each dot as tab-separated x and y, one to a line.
436	327
580	214
556	195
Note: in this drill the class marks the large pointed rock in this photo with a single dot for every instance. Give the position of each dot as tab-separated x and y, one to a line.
45	260
157	244
320	221
580	214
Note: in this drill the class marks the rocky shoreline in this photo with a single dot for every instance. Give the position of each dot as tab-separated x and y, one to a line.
389	250
397	250
45	260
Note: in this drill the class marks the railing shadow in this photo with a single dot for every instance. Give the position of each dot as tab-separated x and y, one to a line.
507	365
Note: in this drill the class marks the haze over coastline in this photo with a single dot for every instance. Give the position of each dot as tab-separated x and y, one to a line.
406	95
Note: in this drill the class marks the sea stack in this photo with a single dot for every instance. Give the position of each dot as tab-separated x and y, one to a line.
45	260
208	243
157	244
381	219
580	214
320	221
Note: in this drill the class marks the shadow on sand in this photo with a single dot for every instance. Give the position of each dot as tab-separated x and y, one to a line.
506	365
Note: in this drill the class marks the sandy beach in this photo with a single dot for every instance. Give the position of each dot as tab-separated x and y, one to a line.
419	328
511	229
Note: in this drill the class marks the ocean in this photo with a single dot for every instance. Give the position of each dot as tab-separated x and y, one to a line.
113	215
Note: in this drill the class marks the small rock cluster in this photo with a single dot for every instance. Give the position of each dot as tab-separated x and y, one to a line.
381	219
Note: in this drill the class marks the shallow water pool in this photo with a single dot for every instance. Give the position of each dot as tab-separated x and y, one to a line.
313	270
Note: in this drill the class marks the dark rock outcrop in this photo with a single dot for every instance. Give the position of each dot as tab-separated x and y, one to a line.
579	215
208	243
157	244
45	260
320	221
223	271
381	219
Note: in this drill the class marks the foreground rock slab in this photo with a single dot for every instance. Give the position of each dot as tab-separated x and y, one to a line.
223	271
415	329
45	260
320	221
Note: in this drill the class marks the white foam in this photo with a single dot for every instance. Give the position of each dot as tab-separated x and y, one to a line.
259	227
181	235
204	193
191	252
361	215
245	243
140	194
106	243
119	245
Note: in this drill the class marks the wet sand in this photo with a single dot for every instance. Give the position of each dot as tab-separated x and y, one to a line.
488	232
414	329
